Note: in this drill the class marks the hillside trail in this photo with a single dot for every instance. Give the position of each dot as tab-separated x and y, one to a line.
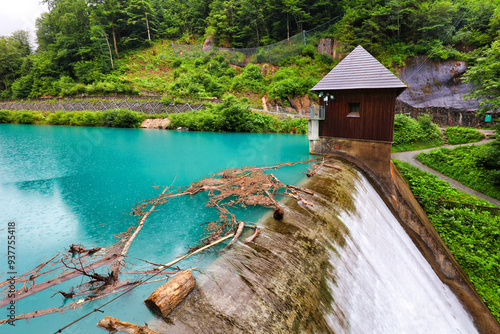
411	158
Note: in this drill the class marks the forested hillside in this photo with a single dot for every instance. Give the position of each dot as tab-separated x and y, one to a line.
89	42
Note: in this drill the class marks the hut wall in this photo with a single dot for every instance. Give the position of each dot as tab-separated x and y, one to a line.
376	115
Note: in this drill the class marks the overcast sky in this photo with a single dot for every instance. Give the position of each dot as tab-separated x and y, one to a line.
19	15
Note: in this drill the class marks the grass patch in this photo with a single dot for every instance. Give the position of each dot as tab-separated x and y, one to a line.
471	234
417	146
464	165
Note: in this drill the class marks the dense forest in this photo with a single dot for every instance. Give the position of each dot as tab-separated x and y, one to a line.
86	41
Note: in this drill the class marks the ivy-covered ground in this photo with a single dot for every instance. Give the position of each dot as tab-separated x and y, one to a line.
472	233
464	164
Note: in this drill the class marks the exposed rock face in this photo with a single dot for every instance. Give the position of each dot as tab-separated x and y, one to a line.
208	44
301	103
267	69
435	84
155	123
331	47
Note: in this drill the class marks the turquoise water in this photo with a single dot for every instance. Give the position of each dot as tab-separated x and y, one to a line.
69	185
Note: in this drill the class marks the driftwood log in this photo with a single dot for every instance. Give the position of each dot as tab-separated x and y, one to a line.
114	325
164	299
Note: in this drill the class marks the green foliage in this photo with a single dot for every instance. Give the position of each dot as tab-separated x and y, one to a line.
460	135
118	118
232	116
288	83
6	116
250	79
464	165
24	117
489	160
122	118
411	134
471	233
485	75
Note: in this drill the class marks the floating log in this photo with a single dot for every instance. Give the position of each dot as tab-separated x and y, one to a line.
278	213
316	168
241	226
195	252
164	299
114	325
333	166
307	191
253	236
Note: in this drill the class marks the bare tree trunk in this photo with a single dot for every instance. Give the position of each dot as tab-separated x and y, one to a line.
119	261
114	39
147	25
109	48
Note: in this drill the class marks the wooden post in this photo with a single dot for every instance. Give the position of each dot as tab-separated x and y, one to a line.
164	299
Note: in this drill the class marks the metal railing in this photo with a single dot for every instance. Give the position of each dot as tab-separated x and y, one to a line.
318	112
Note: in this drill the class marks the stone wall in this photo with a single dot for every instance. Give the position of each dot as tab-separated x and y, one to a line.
448	116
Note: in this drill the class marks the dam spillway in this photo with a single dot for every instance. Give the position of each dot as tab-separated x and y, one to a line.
343	266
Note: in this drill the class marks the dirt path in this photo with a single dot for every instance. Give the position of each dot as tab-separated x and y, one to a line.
410	157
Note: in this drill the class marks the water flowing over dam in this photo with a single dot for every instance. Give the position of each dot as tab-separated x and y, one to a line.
382	282
344	265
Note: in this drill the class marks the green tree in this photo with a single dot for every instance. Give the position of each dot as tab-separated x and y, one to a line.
10	61
141	22
485	75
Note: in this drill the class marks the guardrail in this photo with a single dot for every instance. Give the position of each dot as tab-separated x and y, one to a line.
317	112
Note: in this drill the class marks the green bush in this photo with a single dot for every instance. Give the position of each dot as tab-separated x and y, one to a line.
59	118
128	119
6	116
232	116
411	134
460	135
24	117
85	118
250	79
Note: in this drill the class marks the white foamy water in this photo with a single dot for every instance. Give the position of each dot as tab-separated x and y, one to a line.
383	284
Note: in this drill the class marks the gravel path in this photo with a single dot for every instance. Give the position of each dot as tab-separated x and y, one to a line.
410	157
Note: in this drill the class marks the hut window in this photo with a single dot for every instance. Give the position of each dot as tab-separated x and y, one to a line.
353	110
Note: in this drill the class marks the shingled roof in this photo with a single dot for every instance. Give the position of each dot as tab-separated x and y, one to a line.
359	70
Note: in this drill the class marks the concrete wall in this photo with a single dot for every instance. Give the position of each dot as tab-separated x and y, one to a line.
373	157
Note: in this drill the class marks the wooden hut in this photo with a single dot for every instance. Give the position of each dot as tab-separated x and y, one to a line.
355	118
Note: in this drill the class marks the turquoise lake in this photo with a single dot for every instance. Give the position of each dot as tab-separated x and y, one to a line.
73	185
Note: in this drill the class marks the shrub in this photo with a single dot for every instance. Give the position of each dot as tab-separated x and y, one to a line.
124	118
232	116
6	116
410	134
24	117
85	118
459	135
430	131
250	79
59	118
